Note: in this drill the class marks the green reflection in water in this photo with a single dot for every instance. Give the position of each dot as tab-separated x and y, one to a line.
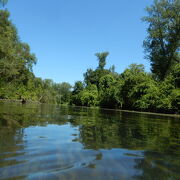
51	142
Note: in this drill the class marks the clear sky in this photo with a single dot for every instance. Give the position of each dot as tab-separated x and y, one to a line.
65	34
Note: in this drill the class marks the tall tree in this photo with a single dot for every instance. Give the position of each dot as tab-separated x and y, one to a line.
163	41
16	60
102	59
63	91
3	2
78	87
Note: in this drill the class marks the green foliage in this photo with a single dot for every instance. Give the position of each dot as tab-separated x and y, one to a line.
106	82
135	85
16	62
95	91
76	97
78	87
150	97
134	89
112	69
102	59
84	96
169	95
17	80
162	42
93	77
3	2
15	57
108	92
175	100
63	92
89	98
176	75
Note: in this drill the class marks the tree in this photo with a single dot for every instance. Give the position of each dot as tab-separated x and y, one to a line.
112	69
78	87
170	91
102	59
15	56
63	92
108	92
16	61
176	75
17	80
89	96
93	77
76	97
163	41
134	86
3	2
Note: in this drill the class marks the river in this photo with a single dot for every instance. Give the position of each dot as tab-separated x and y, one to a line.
76	143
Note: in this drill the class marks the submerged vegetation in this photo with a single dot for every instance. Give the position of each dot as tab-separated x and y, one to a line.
133	89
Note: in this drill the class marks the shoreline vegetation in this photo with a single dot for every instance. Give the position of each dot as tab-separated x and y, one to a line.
94	107
19	101
133	90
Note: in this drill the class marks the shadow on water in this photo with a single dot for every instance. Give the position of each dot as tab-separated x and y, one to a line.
52	142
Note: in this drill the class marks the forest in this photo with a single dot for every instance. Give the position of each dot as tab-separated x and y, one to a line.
133	89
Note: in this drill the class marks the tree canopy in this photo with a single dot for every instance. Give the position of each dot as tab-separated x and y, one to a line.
3	2
133	89
102	59
163	41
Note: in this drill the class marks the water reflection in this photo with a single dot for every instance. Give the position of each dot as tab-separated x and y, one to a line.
50	142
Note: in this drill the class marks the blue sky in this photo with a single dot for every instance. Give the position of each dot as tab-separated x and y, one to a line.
65	34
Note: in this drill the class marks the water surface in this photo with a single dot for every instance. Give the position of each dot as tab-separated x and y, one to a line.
51	142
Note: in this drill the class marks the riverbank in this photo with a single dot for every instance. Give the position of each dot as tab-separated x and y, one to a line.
19	101
95	107
131	111
144	112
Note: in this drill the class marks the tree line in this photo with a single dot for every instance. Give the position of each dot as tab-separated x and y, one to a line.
17	81
133	89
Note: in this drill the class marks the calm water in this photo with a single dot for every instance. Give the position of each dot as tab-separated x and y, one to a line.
51	142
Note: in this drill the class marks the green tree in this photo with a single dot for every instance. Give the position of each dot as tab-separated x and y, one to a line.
63	92
93	77
16	60
135	85
170	92
3	2
163	40
108	92
78	87
17	80
176	75
76	96
48	92
112	69
89	96
102	59
15	56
